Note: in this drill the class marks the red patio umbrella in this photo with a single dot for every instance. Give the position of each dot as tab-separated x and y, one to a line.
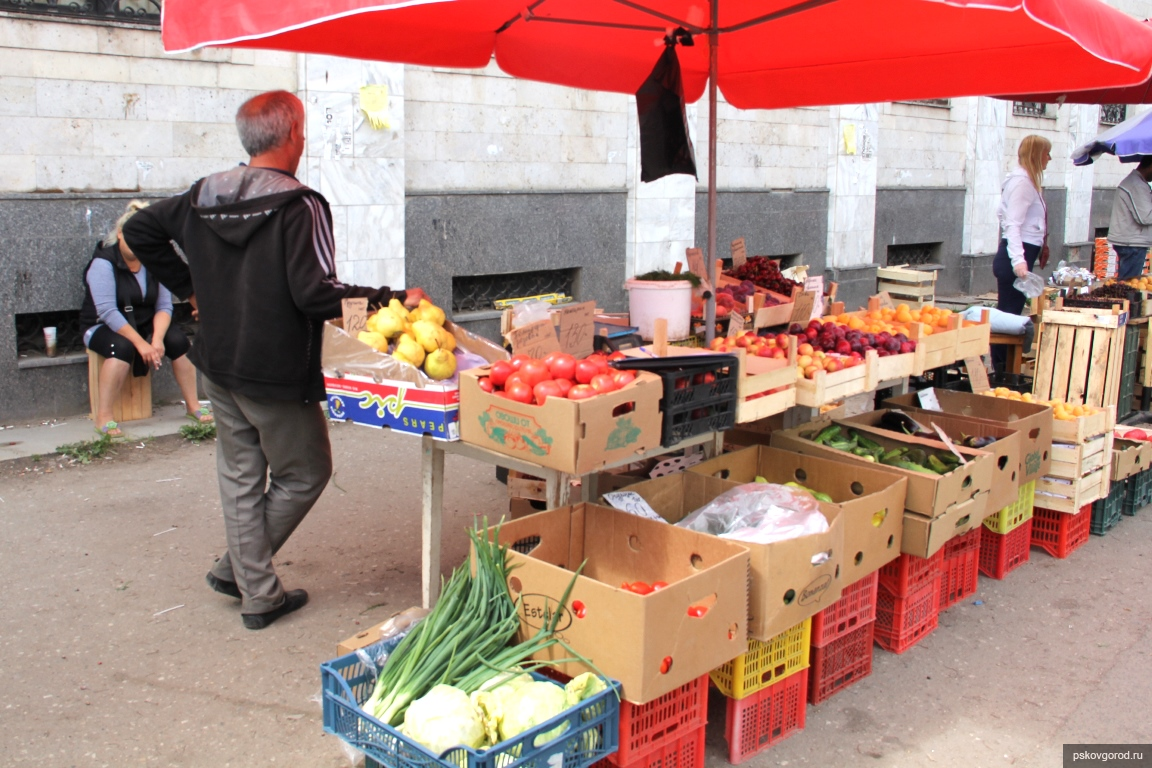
761	53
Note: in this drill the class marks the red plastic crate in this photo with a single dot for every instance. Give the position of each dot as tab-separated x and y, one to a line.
901	622
843	662
766	717
856	607
1002	553
960	568
907	572
686	750
652	726
1060	534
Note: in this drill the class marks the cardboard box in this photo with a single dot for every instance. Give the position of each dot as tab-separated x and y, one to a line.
871	502
370	388
1130	457
626	635
924	536
930	495
786	587
1005	451
398	622
572	436
1034	422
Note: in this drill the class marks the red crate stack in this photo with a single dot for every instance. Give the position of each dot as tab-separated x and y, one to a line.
1060	534
844	661
1002	553
664	731
960	568
856	607
767	717
901	622
906	573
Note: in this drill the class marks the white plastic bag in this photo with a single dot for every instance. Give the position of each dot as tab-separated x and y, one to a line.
761	513
999	320
1031	285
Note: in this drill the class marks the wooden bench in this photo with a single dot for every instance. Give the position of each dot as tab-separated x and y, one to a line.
1015	346
134	401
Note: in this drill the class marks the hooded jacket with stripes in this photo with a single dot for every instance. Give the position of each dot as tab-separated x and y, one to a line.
261	263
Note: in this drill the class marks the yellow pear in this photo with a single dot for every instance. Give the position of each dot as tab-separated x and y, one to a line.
447	340
429	311
440	364
427	333
374	340
388	324
408	348
398	308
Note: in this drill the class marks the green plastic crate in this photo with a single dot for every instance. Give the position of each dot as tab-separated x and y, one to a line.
1139	493
1130	365
1106	511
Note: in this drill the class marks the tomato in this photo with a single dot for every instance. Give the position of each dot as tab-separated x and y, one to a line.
640	588
585	371
501	370
603	383
515	377
581	392
579	610
533	372
658	585
565	385
562	365
518	360
485	384
666	665
623	378
1136	434
501	393
545	390
617	356
519	391
696	611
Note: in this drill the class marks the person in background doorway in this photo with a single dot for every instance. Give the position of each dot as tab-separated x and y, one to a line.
1130	228
261	271
1023	229
127	319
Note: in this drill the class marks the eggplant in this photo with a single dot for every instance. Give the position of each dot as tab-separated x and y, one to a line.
898	421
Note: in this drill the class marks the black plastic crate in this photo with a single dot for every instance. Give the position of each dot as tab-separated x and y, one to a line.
1014	381
1139	494
700	392
685	421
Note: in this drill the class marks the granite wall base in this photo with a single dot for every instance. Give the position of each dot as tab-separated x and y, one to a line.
791	224
922	216
853	284
449	235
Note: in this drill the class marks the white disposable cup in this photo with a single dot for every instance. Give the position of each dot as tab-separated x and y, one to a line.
50	341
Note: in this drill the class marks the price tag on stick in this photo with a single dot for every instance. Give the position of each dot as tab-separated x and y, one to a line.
739	253
355	315
802	308
577	328
535	339
696	266
735	325
977	374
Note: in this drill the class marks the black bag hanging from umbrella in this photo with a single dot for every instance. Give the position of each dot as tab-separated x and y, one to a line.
664	145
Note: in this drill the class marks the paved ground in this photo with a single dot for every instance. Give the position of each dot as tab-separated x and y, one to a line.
117	654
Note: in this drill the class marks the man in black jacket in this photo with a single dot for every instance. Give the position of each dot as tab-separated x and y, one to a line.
261	274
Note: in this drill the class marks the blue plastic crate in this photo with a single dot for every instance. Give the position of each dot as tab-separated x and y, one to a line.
593	727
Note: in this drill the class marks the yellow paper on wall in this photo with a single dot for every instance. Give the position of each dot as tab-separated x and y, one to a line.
374	104
850	139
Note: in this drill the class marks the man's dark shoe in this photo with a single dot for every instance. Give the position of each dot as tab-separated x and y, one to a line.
223	587
294	600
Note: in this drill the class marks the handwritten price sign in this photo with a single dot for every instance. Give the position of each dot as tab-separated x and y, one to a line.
577	328
355	315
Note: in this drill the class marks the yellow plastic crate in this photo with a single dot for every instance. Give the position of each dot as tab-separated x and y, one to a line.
1013	516
765	663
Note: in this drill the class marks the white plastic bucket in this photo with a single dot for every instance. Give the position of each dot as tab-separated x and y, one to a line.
652	299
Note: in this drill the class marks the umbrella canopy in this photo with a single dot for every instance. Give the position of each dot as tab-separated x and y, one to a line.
1129	141
771	53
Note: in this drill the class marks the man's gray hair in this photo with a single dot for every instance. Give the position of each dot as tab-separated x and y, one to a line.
264	121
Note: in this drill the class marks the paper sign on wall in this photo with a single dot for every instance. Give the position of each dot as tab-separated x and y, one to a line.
802	308
535	339
696	266
977	374
739	253
577	328
355	315
735	325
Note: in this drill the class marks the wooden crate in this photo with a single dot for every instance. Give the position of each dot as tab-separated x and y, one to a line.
1081	468
134	401
759	375
973	341
911	286
1080	355
826	387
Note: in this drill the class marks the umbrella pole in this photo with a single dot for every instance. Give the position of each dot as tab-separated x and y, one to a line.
710	305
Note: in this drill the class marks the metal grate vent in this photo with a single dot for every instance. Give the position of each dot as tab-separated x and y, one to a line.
135	11
1031	109
919	253
929	102
1113	114
69	338
477	293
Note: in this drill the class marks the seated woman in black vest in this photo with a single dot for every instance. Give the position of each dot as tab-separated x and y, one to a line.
127	317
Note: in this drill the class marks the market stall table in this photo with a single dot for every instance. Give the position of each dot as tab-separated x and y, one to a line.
557	484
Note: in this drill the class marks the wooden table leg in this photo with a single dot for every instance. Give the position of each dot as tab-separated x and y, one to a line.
432	477
557	489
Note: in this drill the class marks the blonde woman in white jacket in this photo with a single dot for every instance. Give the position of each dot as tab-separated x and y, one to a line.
1023	228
